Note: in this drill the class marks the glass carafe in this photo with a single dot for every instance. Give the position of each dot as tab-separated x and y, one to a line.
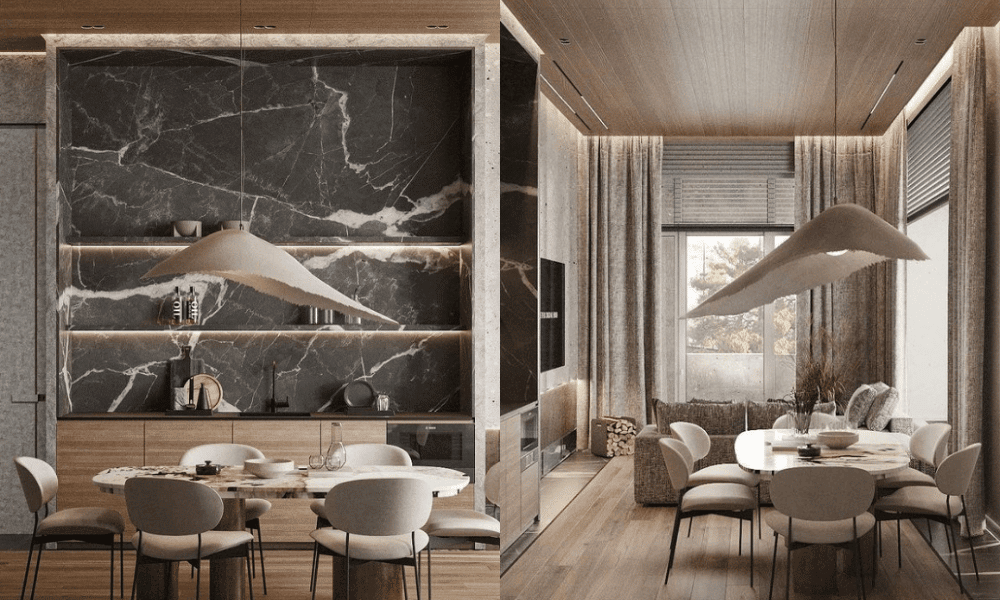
336	454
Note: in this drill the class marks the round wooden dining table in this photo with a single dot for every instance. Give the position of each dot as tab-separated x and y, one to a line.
228	576
767	451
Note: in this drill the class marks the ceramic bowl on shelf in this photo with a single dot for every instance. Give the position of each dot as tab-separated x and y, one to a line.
837	440
268	468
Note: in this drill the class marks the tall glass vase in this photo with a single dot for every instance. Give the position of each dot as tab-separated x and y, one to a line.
336	454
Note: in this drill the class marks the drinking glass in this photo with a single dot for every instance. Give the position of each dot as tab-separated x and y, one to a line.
316	461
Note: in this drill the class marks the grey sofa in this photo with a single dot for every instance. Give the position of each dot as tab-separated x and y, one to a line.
722	422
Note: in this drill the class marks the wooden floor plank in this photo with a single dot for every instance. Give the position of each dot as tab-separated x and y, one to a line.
605	546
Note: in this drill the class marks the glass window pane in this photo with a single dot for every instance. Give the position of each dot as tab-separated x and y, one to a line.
784	340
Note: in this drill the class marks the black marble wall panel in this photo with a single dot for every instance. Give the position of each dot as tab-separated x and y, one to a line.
518	225
355	143
129	372
418	287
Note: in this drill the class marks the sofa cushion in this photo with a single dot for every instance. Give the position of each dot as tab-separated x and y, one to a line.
761	415
882	409
859	405
715	419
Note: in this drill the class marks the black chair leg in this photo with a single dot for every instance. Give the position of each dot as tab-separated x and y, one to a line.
249	578
751	544
774	559
38	564
861	576
673	542
406	592
260	550
429	572
312	584
27	568
111	593
958	565
899	543
121	564
690	522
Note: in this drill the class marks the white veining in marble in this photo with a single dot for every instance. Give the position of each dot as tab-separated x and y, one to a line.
764	450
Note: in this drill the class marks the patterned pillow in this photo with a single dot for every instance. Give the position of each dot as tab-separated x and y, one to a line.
882	409
859	406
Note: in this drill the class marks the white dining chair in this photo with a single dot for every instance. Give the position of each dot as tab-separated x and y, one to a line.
462	525
699	444
820	505
233	455
40	485
376	520
817	420
727	499
358	455
174	520
943	503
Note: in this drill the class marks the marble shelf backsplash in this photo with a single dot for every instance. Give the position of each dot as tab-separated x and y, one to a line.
414	286
129	371
337	143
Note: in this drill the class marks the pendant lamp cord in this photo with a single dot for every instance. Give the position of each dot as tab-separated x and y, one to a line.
242	152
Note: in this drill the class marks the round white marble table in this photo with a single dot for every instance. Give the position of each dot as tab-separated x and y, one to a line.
767	451
228	576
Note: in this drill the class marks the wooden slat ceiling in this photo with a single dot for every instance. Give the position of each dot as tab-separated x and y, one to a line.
23	21
740	67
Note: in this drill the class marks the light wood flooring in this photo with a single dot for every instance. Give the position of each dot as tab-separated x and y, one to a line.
603	546
83	575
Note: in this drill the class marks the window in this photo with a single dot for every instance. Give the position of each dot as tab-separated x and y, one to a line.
726	206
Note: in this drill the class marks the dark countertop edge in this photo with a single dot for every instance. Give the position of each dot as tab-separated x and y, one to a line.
509	410
323	416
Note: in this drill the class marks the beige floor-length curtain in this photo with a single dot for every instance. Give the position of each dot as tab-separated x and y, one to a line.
851	322
623	177
967	257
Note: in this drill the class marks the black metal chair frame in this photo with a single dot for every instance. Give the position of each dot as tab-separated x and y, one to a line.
742	515
104	539
412	561
854	545
242	550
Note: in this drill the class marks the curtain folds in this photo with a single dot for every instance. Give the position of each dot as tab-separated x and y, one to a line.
851	323
967	254
625	341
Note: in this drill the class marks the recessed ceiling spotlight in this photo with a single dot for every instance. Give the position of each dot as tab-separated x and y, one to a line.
920	41
437	27
91	26
265	26
564	41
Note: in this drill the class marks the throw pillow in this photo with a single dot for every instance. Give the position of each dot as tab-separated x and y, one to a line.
829	408
882	409
859	405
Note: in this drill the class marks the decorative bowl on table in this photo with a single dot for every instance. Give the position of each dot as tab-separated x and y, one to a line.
837	440
268	468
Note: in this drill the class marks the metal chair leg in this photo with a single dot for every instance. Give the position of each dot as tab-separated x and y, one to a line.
774	559
260	550
27	567
673	542
38	564
249	578
429	597
899	543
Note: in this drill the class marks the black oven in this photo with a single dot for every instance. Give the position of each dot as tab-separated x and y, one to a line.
450	444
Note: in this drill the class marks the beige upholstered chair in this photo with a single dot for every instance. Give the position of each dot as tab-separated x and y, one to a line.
358	455
174	519
461	525
95	525
928	444
817	420
944	503
728	499
699	444
233	455
376	520
820	505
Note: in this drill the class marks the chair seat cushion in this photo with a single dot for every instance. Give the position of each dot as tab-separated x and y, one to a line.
723	473
461	523
718	496
905	478
919	500
82	521
370	547
185	547
317	507
256	507
819	532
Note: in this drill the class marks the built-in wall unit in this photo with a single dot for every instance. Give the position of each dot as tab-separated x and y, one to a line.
368	158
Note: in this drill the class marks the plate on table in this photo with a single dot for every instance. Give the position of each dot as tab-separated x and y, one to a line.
213	389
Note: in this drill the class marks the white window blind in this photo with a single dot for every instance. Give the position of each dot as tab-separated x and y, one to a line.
928	153
728	183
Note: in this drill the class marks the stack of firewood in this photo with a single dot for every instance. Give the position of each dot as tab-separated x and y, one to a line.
613	436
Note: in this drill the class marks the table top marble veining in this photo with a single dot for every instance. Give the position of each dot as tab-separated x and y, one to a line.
767	451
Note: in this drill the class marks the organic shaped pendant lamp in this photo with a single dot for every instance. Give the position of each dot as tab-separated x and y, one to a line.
838	242
240	256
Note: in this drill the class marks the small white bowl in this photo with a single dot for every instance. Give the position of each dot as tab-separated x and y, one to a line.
837	440
268	468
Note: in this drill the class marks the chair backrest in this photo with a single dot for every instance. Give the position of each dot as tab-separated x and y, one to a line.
361	455
955	472
817	420
227	455
679	461
38	481
822	493
379	506
492	484
171	506
930	442
694	437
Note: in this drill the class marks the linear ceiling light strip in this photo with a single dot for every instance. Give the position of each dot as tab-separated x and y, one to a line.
886	89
